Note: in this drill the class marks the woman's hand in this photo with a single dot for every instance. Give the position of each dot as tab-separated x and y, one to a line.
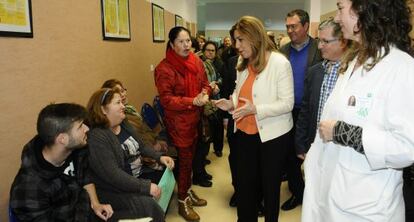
247	109
167	161
214	87
326	130
161	146
223	104
201	99
103	211
155	191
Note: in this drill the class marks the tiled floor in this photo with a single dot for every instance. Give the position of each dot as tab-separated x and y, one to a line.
218	196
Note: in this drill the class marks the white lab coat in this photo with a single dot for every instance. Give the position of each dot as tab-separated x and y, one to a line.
343	185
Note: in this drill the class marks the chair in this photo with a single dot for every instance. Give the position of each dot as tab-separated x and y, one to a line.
149	115
158	109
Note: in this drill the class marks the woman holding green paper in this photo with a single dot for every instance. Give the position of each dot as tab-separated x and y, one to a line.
115	160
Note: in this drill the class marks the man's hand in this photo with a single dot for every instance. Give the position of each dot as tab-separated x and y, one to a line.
103	211
155	191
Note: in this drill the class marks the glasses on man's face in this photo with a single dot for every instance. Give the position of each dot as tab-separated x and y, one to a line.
210	50
293	26
326	41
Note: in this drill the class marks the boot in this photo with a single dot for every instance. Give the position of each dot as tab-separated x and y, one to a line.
195	200
186	210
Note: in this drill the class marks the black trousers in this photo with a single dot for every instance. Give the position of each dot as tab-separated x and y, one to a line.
200	154
408	193
293	165
232	154
217	130
259	165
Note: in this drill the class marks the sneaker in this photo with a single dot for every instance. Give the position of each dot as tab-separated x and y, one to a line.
186	210
195	200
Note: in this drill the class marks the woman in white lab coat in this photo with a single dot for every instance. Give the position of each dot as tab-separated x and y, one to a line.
366	134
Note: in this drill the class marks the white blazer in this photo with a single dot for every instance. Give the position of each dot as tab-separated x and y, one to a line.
272	96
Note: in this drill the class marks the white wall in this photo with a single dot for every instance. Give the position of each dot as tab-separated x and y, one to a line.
185	8
327	6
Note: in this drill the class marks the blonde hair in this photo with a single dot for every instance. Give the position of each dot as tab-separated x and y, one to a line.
254	32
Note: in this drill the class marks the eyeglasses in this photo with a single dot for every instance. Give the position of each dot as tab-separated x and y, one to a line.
210	50
326	41
293	26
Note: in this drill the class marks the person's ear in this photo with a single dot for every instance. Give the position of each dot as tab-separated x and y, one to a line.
306	26
62	138
103	109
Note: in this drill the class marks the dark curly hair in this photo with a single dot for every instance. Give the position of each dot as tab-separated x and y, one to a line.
382	23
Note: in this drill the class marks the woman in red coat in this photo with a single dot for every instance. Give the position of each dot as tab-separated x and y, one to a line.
183	88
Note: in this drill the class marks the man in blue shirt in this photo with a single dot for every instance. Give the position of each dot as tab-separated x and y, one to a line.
302	52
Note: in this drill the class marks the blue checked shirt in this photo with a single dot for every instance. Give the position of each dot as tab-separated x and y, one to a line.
329	79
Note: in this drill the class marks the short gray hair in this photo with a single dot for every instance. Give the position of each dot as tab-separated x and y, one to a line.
337	32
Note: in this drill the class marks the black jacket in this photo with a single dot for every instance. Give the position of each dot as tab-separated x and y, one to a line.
43	192
308	115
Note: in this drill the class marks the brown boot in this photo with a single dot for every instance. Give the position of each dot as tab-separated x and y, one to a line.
186	210
195	200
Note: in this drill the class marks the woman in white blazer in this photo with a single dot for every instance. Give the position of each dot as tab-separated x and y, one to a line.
261	107
354	170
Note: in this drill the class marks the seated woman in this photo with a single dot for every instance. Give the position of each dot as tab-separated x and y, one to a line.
115	160
156	140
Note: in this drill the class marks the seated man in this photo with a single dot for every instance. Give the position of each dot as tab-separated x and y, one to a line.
52	183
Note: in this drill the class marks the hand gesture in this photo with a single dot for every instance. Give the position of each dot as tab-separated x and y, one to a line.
155	191
167	161
103	211
214	87
247	109
201	99
223	104
326	130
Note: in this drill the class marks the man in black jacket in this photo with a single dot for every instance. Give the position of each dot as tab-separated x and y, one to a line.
302	52
319	83
53	183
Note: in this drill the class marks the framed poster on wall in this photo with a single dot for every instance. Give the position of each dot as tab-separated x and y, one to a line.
16	18
179	21
115	20
158	26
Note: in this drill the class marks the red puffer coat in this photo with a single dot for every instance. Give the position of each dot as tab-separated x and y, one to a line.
181	116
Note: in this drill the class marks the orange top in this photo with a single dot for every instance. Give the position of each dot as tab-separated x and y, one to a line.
248	123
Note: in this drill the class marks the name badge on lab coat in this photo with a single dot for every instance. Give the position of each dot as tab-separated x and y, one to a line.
361	105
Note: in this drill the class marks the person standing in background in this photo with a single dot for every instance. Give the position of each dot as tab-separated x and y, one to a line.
302	52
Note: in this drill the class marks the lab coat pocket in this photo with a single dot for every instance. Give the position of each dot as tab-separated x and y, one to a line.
357	192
